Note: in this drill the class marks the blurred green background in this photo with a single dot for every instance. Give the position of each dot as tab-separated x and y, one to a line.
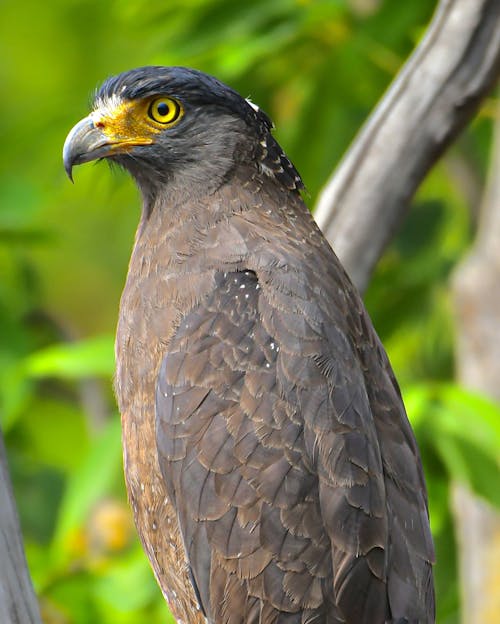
318	68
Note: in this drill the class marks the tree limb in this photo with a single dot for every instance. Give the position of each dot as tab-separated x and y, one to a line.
434	95
477	307
18	604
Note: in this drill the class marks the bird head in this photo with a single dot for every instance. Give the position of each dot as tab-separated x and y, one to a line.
174	124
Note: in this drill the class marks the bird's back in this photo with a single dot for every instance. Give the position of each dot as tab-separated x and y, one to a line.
282	438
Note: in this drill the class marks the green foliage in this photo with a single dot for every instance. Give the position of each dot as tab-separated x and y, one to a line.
72	361
470	454
88	483
459	437
318	67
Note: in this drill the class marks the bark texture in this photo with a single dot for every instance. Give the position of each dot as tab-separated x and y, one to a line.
435	94
477	304
18	604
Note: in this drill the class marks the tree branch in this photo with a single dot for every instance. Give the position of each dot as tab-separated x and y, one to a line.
477	308
434	95
18	604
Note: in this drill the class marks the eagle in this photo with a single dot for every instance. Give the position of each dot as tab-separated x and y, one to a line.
272	471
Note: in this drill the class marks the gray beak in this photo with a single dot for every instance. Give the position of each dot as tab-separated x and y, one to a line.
84	143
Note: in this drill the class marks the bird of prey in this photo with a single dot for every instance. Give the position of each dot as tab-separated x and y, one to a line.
272	470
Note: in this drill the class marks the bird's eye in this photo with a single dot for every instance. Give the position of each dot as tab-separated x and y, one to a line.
165	110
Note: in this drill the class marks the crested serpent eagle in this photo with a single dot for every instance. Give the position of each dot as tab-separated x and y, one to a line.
271	468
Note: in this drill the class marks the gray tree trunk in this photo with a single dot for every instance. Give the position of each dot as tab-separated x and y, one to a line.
477	303
18	604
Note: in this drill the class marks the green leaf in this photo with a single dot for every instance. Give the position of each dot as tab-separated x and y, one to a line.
52	427
128	585
463	427
477	417
89	483
86	358
15	391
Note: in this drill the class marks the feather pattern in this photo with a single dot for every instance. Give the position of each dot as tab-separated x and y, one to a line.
272	471
298	481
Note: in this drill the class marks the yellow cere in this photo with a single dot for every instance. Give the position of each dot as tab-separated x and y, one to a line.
136	122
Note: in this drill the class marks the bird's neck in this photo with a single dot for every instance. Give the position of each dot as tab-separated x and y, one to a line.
178	209
168	274
182	240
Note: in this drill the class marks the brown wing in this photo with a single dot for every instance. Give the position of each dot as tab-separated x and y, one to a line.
269	449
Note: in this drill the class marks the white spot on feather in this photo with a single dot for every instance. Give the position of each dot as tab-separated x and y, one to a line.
254	106
267	170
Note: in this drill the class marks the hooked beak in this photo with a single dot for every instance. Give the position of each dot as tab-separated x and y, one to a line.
84	143
90	140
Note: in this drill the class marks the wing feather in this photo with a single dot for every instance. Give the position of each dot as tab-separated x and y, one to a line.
293	473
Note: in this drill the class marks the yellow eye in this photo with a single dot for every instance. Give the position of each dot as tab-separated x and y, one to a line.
165	110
